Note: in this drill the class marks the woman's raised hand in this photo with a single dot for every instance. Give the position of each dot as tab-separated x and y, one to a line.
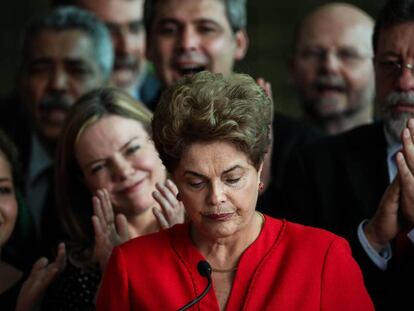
41	276
107	233
172	210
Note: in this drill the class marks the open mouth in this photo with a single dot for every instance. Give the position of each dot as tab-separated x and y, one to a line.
189	69
326	88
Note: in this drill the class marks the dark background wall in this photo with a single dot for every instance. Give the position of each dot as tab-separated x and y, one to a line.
271	24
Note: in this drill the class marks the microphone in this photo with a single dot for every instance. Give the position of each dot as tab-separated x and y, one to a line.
204	269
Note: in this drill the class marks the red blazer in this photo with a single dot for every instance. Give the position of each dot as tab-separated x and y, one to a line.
288	267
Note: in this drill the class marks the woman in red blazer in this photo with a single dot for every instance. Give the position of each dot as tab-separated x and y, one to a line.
212	134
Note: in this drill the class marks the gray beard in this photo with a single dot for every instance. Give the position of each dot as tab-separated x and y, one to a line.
396	122
395	126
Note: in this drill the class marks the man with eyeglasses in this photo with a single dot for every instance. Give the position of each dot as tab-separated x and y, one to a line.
331	67
360	184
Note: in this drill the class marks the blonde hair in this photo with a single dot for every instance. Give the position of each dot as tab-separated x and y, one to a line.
75	205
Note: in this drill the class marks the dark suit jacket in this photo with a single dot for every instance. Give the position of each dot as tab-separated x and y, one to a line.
335	184
289	136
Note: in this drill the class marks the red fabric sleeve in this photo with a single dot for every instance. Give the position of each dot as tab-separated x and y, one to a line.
342	282
114	292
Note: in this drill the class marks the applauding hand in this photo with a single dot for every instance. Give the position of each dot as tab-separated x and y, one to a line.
41	276
172	210
398	199
107	234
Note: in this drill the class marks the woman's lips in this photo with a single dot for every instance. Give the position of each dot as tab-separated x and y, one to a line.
219	217
132	188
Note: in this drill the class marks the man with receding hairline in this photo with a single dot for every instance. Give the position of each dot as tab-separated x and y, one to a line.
331	67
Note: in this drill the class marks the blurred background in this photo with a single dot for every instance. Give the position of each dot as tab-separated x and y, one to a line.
270	28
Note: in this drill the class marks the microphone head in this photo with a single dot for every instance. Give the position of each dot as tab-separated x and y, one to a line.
204	268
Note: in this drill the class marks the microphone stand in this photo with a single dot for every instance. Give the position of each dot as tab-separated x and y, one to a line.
204	269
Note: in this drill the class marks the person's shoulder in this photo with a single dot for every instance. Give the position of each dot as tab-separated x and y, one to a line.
358	138
299	231
158	239
301	241
355	135
286	126
311	236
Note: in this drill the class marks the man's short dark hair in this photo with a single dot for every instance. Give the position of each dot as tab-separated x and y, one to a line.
394	12
235	10
72	18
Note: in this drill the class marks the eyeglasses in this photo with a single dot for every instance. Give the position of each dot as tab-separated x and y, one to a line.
347	56
393	68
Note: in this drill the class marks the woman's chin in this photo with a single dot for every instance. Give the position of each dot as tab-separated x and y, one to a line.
218	230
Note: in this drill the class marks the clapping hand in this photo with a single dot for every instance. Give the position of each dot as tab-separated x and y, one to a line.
383	227
171	210
41	276
266	86
398	198
405	164
107	234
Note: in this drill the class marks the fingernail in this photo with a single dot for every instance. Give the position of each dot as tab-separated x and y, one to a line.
411	123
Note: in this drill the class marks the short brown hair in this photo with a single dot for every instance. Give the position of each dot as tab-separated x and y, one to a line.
209	107
75	201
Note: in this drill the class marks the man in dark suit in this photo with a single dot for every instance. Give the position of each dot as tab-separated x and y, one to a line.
359	184
187	36
65	54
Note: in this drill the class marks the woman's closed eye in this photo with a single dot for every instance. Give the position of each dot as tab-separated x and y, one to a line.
233	180
196	184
